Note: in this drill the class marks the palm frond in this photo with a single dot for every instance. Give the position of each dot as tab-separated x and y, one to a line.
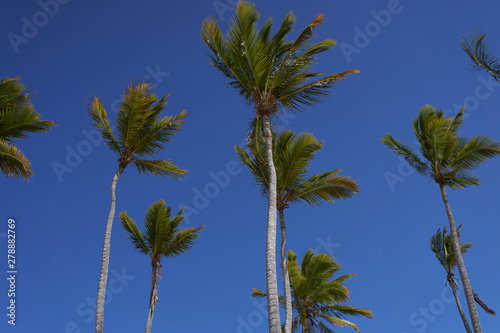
182	242
483	305
13	163
99	117
134	234
18	116
479	52
161	168
407	152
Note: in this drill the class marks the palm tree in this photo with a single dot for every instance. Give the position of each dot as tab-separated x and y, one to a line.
161	238
447	159
272	75
18	117
482	58
292	154
442	246
318	301
140	132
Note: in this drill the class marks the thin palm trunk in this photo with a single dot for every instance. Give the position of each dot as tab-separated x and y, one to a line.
153	299
462	314
305	326
469	296
103	279
286	276
271	275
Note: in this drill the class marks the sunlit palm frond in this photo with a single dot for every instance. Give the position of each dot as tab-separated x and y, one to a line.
13	163
99	118
135	235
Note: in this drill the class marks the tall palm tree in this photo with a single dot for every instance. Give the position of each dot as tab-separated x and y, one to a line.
292	154
442	246
482	58
447	159
272	75
18	117
161	238
140	133
319	301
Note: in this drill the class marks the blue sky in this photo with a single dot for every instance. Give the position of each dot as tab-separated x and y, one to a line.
407	59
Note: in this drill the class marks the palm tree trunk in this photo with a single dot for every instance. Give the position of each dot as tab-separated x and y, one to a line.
462	314
286	276
469	296
271	275
152	297
103	278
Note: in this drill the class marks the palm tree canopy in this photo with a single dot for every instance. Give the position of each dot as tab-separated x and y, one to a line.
442	246
18	117
161	236
140	130
317	297
267	70
444	155
479	52
292	154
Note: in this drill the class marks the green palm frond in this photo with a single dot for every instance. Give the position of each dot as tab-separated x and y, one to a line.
406	151
337	322
13	163
327	186
99	117
182	242
135	235
476	151
18	116
479	52
156	134
161	168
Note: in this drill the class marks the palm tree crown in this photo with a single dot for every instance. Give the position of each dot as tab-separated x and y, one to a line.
442	246
140	131
292	155
161	237
445	156
318	301
18	117
265	69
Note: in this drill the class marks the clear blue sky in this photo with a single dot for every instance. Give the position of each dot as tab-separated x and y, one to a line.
92	47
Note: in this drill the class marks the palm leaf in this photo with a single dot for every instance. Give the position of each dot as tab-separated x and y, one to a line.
13	163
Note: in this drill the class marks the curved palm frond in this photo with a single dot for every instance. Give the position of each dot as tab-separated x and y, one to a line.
13	163
479	52
135	235
18	116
